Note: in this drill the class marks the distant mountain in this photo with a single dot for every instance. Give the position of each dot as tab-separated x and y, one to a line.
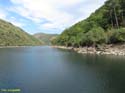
45	38
11	35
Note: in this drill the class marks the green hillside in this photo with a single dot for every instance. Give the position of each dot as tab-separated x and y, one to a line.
45	38
11	35
104	26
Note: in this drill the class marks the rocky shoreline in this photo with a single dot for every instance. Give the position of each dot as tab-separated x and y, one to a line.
118	50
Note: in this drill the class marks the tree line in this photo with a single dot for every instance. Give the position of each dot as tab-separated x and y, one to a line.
104	26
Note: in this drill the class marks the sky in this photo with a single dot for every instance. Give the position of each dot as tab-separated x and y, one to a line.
47	16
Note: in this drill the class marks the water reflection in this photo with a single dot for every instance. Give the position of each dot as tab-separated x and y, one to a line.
49	70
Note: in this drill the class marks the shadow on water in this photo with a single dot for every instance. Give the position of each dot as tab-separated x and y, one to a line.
110	69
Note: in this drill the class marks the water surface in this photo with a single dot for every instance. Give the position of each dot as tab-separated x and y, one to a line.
50	70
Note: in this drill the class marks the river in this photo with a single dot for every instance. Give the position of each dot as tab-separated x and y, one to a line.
50	70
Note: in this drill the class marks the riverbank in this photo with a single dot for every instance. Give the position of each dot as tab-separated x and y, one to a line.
102	50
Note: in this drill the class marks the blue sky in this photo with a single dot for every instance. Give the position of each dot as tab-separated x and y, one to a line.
47	16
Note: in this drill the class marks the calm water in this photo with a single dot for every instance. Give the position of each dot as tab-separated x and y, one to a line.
49	70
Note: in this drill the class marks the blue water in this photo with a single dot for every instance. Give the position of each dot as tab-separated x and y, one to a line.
51	70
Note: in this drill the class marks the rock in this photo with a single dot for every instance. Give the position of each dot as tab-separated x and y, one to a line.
107	50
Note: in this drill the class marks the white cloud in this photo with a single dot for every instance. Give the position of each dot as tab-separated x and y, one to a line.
15	22
55	11
2	14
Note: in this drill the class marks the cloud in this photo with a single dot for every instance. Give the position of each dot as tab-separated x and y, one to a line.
59	14
2	14
39	9
14	21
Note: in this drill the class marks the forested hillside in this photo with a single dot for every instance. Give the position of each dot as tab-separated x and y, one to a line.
11	35
104	26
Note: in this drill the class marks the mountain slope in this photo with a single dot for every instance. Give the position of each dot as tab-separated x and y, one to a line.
104	26
45	38
11	35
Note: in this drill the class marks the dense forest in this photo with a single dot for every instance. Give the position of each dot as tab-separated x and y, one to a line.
105	26
11	35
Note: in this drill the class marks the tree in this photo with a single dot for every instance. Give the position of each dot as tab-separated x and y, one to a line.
116	35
